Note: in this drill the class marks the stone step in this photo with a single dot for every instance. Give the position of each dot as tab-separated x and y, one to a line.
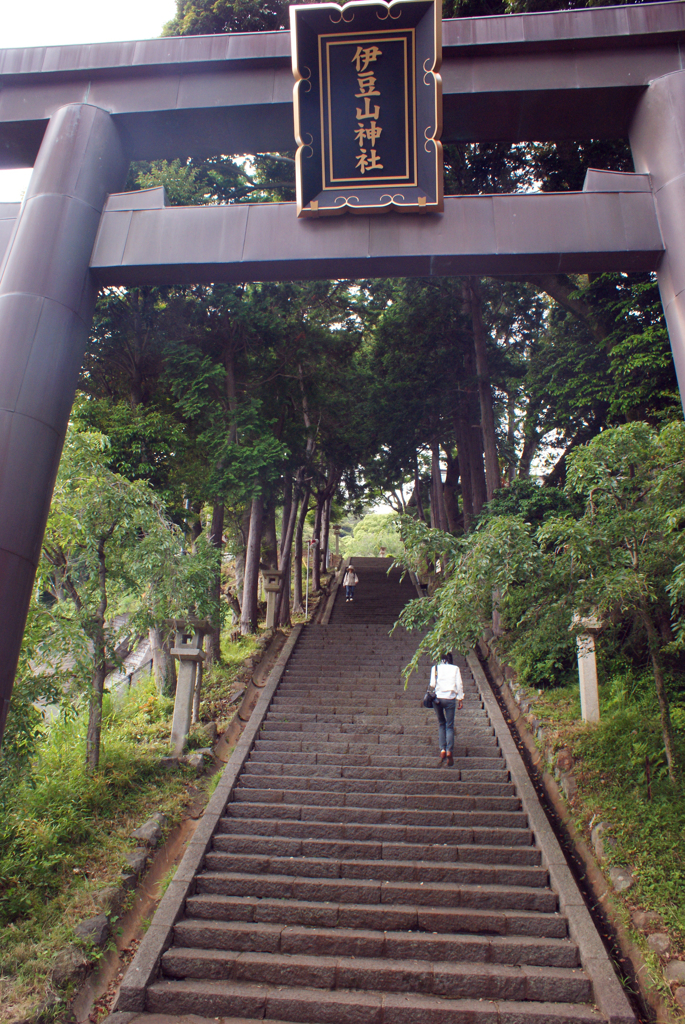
378	731
385	917
382	759
356	831
405	723
304	1004
196	933
381	815
444	978
424	771
345	703
356	743
419	801
283	846
353	890
445	784
423	872
472	717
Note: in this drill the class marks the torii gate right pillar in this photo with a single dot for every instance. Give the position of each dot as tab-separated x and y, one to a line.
657	139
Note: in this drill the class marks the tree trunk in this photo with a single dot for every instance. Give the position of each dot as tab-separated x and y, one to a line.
100	670
283	608
461	431
315	557
249	614
298	605
662	696
561	288
164	666
531	440
325	533
511	437
240	556
436	482
216	540
287	504
449	491
95	710
487	415
417	489
474	434
269	540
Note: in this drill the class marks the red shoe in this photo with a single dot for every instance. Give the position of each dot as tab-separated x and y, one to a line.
450	760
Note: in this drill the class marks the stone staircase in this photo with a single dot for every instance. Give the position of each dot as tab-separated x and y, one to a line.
353	881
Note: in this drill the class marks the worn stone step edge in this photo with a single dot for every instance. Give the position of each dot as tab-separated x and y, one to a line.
444	783
423	871
429	775
200	933
341	1007
384	917
349	890
309	829
446	979
395	801
442	853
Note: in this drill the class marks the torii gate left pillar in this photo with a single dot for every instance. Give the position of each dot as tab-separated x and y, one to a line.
47	299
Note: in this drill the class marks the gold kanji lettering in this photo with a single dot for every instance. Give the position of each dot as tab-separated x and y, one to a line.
369	161
367	86
365	56
371	133
367	112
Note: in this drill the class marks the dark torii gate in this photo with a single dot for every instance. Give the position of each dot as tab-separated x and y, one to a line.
79	114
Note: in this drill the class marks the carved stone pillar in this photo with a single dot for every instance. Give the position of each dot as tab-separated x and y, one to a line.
47	299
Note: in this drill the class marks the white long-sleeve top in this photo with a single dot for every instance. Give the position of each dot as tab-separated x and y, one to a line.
446	681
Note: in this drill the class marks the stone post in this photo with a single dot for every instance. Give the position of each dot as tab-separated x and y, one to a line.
587	667
657	139
272	584
587	674
47	298
189	653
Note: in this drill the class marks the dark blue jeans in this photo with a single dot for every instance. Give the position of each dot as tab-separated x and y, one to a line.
349	591
444	709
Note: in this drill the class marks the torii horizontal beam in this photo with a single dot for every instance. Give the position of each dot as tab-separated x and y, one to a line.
555	75
612	227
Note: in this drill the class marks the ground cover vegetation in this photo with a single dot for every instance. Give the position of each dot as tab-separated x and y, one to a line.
64	832
528	433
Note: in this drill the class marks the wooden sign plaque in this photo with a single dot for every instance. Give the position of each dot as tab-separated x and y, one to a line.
368	106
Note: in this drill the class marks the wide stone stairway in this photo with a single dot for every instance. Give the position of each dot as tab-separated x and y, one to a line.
353	881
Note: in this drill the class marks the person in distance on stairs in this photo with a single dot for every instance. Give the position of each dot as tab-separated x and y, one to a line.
350	582
449	689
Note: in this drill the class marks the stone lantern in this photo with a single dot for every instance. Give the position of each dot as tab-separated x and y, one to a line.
188	650
272	584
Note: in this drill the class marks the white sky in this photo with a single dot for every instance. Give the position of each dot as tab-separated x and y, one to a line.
48	23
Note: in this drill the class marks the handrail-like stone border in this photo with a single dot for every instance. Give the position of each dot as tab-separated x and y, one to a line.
145	964
608	994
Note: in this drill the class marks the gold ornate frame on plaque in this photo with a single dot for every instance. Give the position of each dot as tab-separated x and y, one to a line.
368	106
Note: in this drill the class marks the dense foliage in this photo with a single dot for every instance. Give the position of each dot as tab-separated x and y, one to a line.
610	553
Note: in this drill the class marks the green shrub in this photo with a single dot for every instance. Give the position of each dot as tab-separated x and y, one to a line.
54	816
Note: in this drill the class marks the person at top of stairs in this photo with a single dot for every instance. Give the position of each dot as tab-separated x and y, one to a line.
446	682
350	582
